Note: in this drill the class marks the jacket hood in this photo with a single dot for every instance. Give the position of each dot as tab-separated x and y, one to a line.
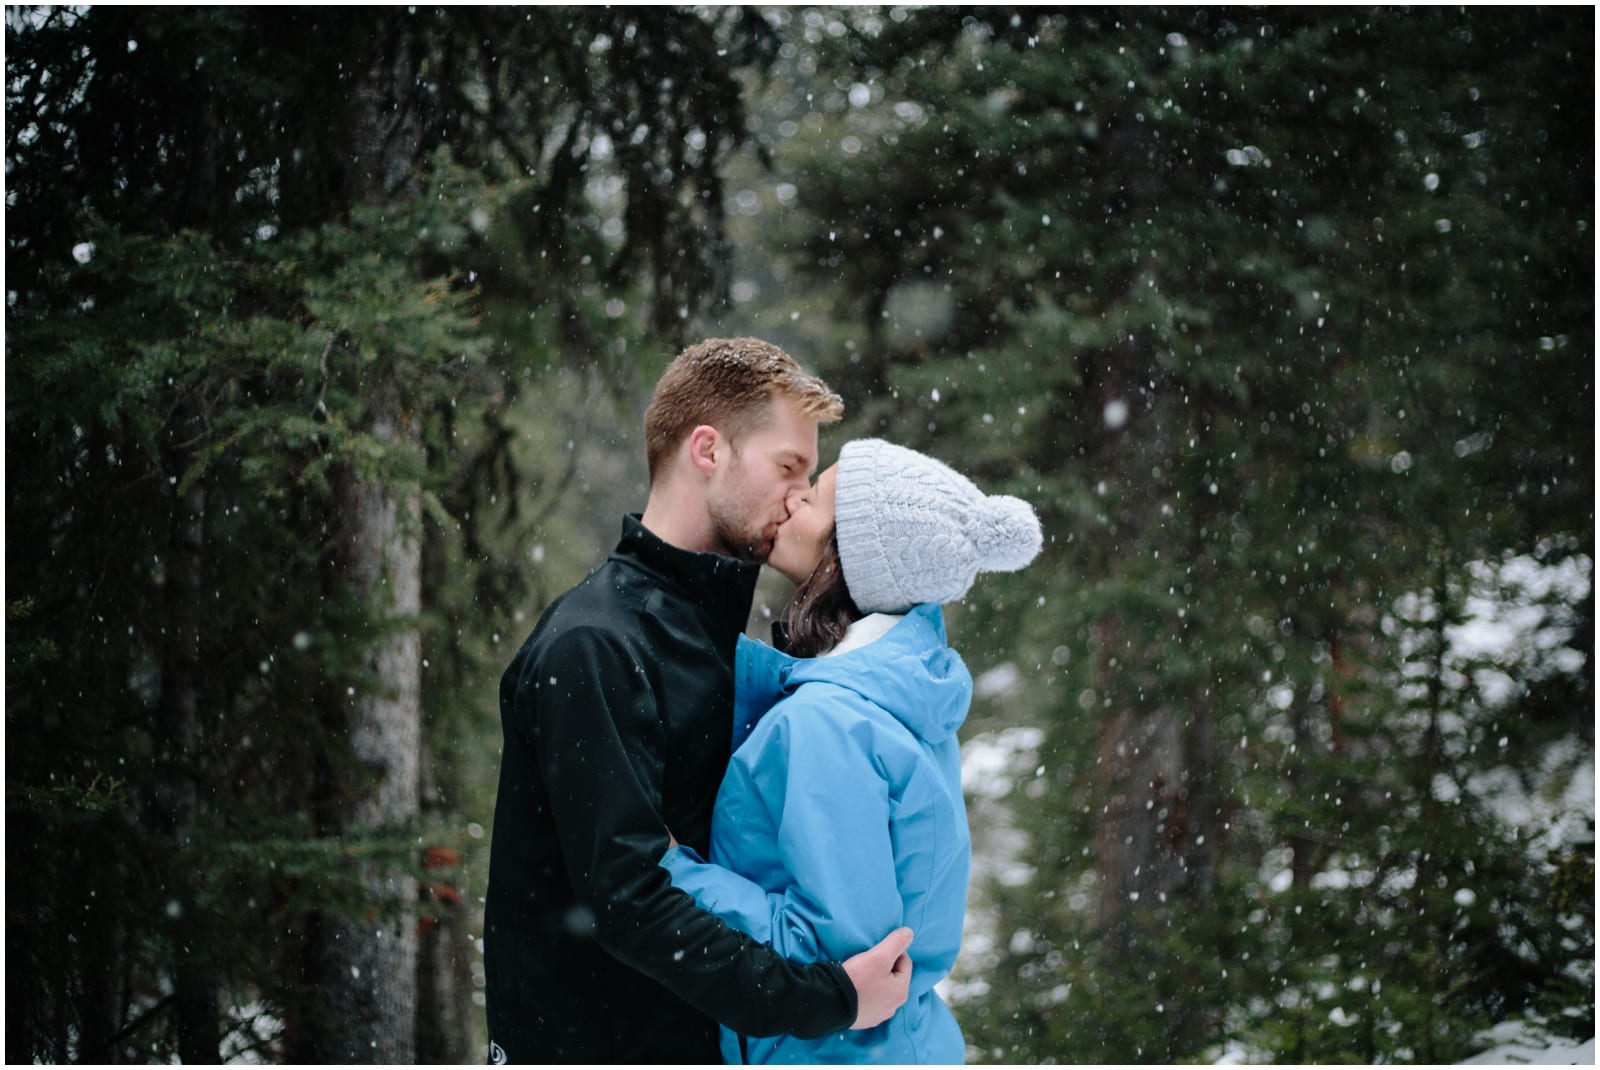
909	672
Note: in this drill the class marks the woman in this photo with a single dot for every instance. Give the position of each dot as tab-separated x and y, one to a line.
841	816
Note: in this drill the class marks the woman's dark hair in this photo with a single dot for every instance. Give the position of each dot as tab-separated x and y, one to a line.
821	610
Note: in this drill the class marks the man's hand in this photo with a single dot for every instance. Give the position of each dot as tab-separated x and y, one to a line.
882	976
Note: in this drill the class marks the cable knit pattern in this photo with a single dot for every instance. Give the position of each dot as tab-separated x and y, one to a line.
911	529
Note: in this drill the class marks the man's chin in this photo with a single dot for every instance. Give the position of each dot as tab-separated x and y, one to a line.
752	553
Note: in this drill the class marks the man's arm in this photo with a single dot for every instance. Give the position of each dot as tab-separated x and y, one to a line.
881	974
598	744
828	803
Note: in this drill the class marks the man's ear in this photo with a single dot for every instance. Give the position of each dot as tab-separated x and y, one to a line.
706	448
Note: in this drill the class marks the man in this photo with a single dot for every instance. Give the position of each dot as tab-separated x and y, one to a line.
617	719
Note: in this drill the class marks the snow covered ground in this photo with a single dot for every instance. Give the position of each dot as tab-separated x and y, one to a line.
1516	1045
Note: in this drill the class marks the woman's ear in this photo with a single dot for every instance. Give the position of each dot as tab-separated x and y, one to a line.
706	447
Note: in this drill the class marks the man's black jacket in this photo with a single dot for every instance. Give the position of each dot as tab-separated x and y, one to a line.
617	715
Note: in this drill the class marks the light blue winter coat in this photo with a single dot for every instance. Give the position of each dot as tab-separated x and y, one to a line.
841	819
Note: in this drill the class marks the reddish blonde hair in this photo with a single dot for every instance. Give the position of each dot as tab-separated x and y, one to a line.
726	383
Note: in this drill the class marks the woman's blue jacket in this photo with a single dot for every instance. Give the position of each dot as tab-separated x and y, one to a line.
841	819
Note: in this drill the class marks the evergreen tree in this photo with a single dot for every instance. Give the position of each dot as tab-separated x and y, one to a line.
1283	320
318	321
284	287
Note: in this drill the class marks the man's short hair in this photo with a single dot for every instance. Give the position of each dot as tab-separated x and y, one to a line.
726	383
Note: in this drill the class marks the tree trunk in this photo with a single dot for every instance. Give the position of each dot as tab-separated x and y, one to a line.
1138	780
444	965
368	964
444	954
195	984
1197	834
444	971
1140	772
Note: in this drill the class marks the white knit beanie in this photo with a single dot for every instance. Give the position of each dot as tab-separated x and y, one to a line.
913	530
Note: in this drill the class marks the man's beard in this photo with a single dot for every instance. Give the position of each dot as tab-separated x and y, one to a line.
739	540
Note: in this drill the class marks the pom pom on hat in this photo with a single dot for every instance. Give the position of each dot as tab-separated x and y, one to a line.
1008	537
911	529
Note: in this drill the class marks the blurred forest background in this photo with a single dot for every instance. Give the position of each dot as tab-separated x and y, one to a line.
328	334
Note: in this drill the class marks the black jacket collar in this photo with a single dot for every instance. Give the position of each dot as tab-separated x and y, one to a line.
721	585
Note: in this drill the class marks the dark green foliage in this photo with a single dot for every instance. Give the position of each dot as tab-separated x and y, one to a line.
238	240
1284	319
168	530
